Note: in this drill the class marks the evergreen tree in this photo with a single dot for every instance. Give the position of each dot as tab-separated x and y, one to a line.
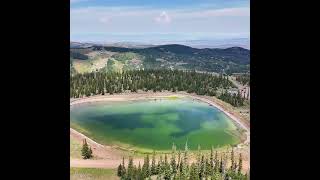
203	171
173	160
240	164
86	151
90	152
124	171
166	164
101	82
119	170
232	160
145	167
208	169
221	168
216	162
194	172
153	164
176	176
130	174
186	153
139	174
202	168
199	156
217	176
167	173
179	160
185	162
211	159
159	166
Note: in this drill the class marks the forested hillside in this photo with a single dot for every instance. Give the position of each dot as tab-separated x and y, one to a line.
229	60
154	80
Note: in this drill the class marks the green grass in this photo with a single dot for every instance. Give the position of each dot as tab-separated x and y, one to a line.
92	174
123	57
84	66
75	148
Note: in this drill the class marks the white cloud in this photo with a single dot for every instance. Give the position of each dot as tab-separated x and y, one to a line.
163	18
84	20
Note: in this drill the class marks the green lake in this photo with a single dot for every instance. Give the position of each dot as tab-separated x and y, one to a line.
155	124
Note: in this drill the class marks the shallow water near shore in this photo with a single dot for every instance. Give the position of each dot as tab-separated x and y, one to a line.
155	124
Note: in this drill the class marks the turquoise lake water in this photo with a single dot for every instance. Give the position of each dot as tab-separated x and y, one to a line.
155	124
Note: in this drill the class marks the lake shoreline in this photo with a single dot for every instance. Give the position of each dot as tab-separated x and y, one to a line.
111	155
156	95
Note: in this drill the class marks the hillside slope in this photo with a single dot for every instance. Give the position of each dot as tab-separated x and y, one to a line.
175	56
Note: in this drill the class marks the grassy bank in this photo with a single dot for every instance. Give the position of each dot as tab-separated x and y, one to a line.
92	173
75	148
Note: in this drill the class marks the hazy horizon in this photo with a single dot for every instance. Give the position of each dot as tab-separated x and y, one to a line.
201	43
158	22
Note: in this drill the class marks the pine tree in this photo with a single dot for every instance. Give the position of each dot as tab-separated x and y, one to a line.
176	176
166	160
216	162
193	172
130	174
186	153
179	160
135	172
90	152
167	173
240	164
184	163
119	170
153	164
199	156
145	167
85	151
221	168
202	168
208	169
139	173
211	159
216	176
233	163
173	160
124	171
159	166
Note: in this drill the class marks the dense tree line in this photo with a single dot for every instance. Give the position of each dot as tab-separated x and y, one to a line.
234	99
207	166
243	79
76	55
101	82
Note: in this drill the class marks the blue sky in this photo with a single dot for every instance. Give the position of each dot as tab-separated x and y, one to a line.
158	20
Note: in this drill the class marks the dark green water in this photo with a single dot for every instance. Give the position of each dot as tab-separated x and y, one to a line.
151	124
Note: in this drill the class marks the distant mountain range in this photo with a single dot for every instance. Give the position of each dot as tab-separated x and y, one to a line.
209	43
230	60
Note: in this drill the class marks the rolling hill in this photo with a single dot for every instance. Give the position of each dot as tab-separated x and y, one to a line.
175	56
